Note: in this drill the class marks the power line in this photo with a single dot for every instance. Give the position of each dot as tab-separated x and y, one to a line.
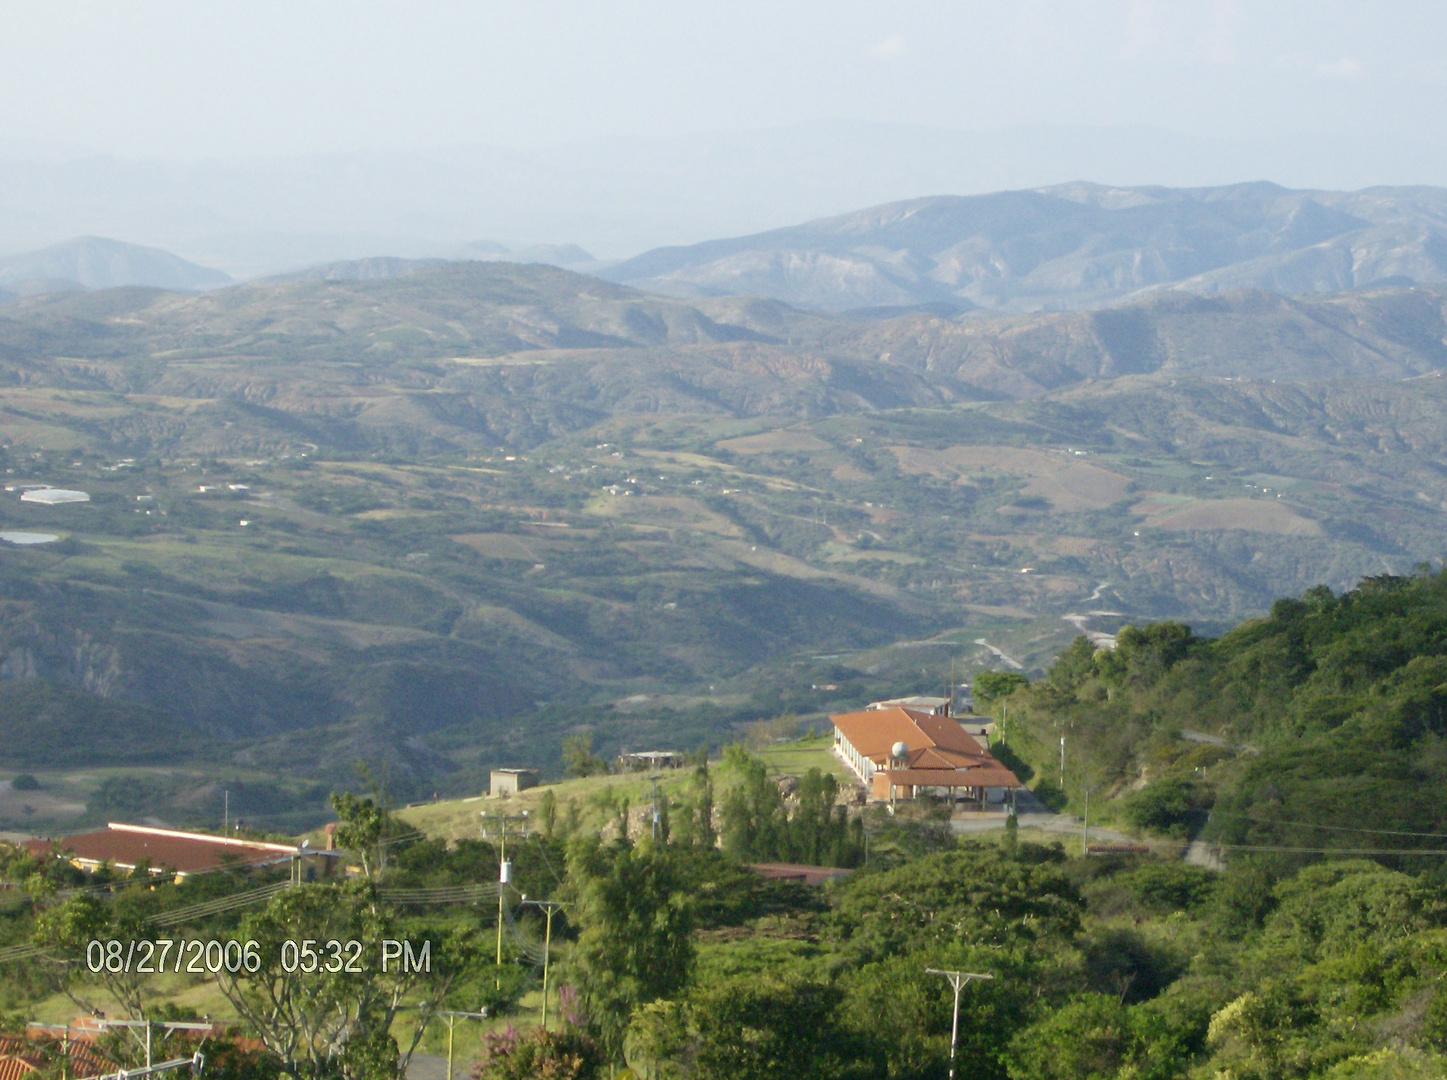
1286	849
1329	828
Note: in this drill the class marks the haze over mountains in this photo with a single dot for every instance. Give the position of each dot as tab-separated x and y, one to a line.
1067	247
617	197
410	508
90	262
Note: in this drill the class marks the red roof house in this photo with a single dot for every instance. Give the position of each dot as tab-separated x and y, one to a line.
124	847
939	755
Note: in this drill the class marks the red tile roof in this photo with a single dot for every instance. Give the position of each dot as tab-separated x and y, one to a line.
940	752
125	846
22	1058
874	731
809	875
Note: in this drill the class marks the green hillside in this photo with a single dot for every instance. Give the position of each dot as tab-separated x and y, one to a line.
440	521
1319	726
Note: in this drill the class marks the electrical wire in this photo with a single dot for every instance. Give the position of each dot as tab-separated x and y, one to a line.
1329	828
1288	849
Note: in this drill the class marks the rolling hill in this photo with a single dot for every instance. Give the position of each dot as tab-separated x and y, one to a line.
441	520
92	262
1070	246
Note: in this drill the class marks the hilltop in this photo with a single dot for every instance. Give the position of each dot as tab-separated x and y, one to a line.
1070	246
91	262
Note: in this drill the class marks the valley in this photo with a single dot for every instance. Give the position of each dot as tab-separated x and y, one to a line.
440	521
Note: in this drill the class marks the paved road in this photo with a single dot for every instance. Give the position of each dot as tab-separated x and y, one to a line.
434	1067
965	824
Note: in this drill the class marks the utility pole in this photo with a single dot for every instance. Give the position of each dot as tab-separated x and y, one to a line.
504	869
549	907
452	1018
656	817
957	980
169	1025
1062	764
64	1045
1085	825
226	813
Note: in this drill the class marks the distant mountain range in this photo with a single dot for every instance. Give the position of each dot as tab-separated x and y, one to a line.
1071	246
90	262
1068	247
621	196
379	268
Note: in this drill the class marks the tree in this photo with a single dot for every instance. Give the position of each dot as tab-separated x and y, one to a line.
634	922
329	1010
994	685
744	1029
754	819
764	1029
362	823
579	759
976	895
1089	1039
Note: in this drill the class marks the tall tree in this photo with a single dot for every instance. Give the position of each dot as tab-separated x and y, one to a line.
634	922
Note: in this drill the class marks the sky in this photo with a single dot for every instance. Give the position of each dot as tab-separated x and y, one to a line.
192	80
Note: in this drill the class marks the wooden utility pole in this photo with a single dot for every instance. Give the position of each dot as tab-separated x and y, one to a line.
957	980
549	908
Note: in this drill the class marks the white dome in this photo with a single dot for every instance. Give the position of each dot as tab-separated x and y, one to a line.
899	750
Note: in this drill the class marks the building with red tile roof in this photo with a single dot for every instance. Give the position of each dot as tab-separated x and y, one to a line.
809	875
21	1058
940	756
124	847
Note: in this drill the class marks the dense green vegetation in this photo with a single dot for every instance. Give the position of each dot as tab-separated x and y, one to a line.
1320	725
1114	968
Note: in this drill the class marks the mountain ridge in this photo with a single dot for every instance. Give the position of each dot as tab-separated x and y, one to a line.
1070	246
94	262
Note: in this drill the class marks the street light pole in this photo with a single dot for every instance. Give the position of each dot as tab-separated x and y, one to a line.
957	980
452	1018
549	908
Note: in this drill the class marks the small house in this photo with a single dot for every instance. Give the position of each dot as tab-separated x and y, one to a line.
506	783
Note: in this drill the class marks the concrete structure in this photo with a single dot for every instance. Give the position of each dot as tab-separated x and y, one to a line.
901	753
979	728
935	706
53	496
652	759
505	783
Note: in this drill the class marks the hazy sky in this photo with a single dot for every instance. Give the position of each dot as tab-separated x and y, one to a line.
193	79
